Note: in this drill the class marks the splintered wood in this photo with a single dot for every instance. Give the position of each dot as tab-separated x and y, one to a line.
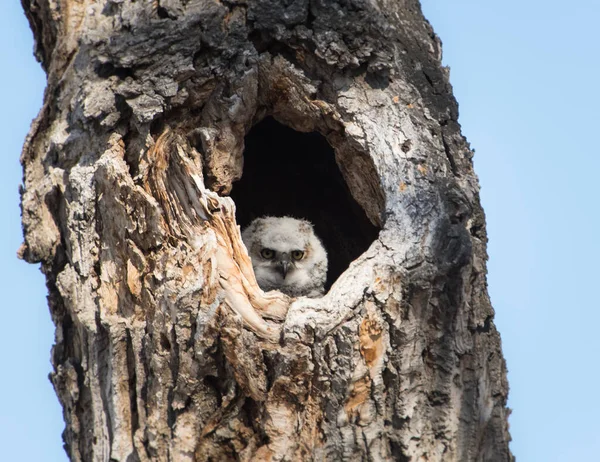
201	217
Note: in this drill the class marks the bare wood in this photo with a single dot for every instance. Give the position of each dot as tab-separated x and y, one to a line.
206	220
166	348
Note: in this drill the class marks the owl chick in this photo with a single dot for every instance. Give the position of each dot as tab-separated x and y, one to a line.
286	256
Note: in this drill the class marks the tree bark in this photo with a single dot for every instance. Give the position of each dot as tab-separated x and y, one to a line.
166	348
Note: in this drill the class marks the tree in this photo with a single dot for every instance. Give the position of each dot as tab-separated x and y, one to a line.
166	349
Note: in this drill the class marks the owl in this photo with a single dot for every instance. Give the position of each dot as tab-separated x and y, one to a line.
286	256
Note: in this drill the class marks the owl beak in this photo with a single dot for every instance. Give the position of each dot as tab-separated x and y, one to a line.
284	265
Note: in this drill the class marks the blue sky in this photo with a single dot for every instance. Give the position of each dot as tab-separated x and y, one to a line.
525	76
30	416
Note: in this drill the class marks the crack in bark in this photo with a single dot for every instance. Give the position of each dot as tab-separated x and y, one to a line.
450	157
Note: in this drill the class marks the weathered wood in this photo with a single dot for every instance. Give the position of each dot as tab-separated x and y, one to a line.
166	349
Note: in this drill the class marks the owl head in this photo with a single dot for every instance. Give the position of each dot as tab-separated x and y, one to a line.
286	255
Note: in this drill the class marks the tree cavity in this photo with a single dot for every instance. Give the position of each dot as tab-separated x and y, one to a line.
289	173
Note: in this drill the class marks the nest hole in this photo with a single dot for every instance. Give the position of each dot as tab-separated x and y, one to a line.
289	173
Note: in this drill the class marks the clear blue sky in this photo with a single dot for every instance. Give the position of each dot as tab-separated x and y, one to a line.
525	75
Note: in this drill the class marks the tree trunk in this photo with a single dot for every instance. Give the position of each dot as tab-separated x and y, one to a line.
166	348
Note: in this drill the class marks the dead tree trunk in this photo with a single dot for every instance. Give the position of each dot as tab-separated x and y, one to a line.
166	349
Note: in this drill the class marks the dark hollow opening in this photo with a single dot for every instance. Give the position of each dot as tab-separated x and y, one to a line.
289	173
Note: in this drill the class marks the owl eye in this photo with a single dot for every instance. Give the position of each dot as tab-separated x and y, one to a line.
267	254
297	254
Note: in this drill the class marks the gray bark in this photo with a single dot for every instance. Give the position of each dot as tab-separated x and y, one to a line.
166	349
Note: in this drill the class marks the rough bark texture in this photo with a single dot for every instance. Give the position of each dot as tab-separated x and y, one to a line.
166	349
